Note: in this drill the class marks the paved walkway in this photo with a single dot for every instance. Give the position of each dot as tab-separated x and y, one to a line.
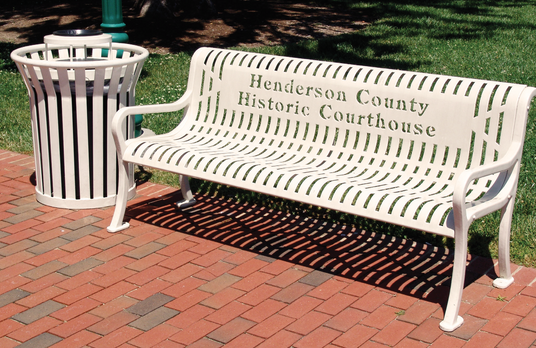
226	274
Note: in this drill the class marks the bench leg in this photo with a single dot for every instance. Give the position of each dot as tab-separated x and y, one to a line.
452	320
117	223
188	198
505	275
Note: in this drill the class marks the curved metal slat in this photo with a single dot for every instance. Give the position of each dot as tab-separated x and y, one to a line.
253	124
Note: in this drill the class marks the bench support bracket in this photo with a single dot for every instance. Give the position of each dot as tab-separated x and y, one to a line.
117	223
505	275
188	198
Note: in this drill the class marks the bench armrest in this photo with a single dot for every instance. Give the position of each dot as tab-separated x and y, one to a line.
499	193
118	129
508	166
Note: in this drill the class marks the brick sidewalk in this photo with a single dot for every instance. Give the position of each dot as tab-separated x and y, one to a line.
226	274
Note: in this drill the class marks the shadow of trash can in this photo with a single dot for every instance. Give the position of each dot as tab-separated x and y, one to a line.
76	81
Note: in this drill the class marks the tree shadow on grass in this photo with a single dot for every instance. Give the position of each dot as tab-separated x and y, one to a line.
28	21
248	24
335	24
6	63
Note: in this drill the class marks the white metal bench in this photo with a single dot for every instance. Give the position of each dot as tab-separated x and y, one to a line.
429	152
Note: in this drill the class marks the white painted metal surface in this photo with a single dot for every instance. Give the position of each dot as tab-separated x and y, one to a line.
425	151
72	103
77	45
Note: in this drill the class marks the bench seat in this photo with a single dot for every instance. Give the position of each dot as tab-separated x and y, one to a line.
377	187
424	151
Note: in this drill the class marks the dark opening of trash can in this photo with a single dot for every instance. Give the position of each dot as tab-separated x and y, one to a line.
77	32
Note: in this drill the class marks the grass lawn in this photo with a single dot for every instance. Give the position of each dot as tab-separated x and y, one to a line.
493	40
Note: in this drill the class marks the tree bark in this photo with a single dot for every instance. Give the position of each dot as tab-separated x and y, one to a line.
168	8
155	8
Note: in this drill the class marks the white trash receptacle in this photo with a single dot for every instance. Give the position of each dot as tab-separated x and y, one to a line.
76	82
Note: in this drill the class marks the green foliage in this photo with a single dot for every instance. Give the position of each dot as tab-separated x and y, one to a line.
163	80
492	40
485	39
15	127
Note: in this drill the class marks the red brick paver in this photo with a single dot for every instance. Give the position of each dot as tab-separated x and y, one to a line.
233	275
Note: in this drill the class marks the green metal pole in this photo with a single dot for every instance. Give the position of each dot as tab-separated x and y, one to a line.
112	23
112	20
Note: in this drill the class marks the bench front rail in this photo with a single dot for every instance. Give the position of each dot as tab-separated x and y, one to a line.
428	152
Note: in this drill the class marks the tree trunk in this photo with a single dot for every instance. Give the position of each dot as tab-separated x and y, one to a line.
168	8
155	8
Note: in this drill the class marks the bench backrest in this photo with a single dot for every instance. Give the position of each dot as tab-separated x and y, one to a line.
440	120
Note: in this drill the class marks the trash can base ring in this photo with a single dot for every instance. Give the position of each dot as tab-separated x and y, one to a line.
85	203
